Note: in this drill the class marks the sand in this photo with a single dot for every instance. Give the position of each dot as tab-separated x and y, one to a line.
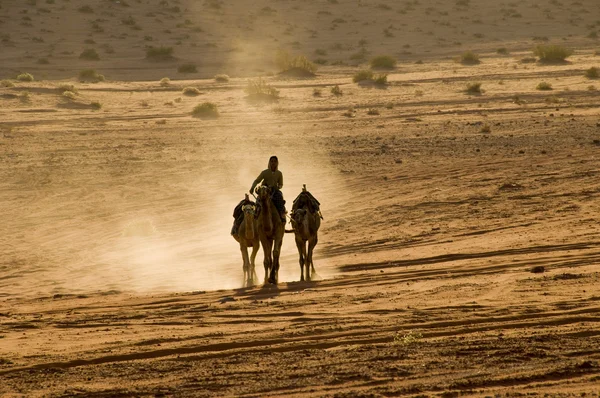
458	254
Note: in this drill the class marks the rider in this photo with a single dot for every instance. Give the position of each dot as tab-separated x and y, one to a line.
273	178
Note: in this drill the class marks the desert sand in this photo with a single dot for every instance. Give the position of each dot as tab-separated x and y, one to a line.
458	255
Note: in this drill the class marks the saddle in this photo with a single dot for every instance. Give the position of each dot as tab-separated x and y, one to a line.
305	200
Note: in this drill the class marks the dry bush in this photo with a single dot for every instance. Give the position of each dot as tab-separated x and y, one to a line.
373	111
159	53
336	90
544	86
222	78
362	75
383	62
592	73
206	110
25	77
165	82
297	65
89	54
502	51
96	105
474	88
259	90
469	58
191	91
6	83
90	75
552	53
187	68
67	87
69	94
317	92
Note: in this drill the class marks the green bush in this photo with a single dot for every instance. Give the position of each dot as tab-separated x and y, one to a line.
89	54
25	77
384	62
469	58
187	68
159	53
206	110
552	53
544	86
592	73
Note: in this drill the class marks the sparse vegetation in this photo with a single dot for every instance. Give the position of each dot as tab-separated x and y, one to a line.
294	65
6	83
544	86
206	110
383	62
165	82
25	77
159	53
362	75
90	75
221	78
474	88
469	58
336	90
502	51
592	73
372	112
96	105
485	129
317	92
89	54
407	339
187	68
67	87
69	95
552	53
191	91
259	90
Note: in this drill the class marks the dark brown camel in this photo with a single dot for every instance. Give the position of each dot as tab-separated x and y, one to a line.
306	226
270	231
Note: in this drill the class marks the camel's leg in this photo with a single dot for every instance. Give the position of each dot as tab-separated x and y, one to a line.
267	245
312	242
255	246
246	266
302	257
275	268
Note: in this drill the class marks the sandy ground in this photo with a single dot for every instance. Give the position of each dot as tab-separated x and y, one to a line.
458	255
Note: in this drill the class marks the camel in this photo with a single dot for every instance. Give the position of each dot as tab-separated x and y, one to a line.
305	226
247	236
270	230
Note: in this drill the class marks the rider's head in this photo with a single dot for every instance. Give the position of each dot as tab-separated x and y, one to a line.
273	163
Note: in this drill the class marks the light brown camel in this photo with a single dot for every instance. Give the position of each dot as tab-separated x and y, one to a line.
247	236
270	230
306	225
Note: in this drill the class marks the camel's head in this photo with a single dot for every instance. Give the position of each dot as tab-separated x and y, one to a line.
249	210
298	216
263	193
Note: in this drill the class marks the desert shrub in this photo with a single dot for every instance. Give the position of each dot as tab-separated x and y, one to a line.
69	94
6	83
383	61
372	111
221	78
592	73
260	90
469	58
362	75
474	88
90	75
187	68
67	87
502	51
25	77
380	79
86	9
159	53
298	64
191	91
552	53
89	54
336	90
206	110
96	104
25	96
544	86
317	92
486	129
165	82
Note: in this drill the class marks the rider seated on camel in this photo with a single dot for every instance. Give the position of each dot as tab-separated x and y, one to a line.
273	178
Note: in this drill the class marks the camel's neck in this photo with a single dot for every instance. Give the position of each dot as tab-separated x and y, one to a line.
304	227
267	215
249	227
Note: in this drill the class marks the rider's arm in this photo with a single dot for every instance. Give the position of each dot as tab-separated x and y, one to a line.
257	181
